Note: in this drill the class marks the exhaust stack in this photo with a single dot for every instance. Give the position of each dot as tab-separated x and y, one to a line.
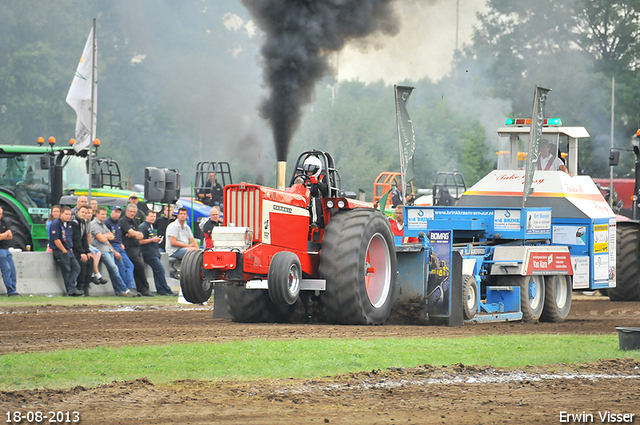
281	172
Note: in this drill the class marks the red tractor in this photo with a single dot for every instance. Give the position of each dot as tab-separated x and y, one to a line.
277	246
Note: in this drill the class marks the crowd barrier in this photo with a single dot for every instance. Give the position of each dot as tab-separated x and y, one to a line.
38	274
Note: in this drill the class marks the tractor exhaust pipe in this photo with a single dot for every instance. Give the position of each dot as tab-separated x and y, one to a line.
281	172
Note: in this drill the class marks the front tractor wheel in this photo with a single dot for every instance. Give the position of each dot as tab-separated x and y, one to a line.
284	278
195	288
358	262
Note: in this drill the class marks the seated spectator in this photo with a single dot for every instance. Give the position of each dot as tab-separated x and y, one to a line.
101	240
125	266
7	266
151	254
180	238
61	244
214	220
397	227
212	194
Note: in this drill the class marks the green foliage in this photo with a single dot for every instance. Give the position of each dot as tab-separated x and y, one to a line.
258	359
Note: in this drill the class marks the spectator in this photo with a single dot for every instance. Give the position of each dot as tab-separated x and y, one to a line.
212	194
162	221
6	259
397	226
131	237
101	240
151	254
396	195
94	206
80	202
125	266
55	213
81	249
214	220
141	209
180	238
61	244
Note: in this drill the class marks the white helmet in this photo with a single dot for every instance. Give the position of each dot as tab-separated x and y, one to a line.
313	164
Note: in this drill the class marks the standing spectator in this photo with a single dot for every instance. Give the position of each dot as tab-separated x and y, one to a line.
141	209
55	213
125	266
94	206
214	220
180	237
81	249
6	259
131	237
162	221
61	244
151	254
80	202
101	239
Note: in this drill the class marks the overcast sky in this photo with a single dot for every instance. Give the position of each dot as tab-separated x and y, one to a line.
423	48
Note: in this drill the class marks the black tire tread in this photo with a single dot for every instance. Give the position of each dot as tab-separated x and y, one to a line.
628	265
191	280
21	235
343	248
550	311
469	281
255	306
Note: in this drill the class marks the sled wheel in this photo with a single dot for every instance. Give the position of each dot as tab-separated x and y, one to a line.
469	296
557	298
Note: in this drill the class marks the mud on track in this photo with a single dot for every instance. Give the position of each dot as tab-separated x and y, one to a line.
458	394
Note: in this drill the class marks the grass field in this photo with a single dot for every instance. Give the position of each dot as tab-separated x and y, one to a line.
300	358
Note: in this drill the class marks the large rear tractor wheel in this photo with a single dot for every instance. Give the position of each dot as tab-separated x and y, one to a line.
255	306
195	288
469	296
21	235
284	278
358	262
557	298
628	266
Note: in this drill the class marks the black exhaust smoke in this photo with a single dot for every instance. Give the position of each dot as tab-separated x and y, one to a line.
299	35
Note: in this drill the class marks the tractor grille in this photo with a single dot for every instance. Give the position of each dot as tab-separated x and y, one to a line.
242	208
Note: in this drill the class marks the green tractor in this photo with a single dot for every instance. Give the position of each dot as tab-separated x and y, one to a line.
34	178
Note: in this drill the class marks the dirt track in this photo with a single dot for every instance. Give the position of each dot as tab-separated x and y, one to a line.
457	394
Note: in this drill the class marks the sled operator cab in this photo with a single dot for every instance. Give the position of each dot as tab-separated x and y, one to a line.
581	218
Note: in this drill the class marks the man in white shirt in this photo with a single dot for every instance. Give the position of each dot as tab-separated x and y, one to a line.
179	238
547	161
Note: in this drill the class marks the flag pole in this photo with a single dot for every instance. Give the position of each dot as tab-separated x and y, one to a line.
93	108
402	165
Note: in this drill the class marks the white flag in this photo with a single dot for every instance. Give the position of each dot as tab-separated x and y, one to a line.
80	97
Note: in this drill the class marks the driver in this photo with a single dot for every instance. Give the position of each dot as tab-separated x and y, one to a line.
316	183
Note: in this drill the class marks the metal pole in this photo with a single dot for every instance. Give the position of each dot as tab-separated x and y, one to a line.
613	104
93	108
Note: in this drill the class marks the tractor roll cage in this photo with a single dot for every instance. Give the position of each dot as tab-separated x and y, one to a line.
329	171
221	171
